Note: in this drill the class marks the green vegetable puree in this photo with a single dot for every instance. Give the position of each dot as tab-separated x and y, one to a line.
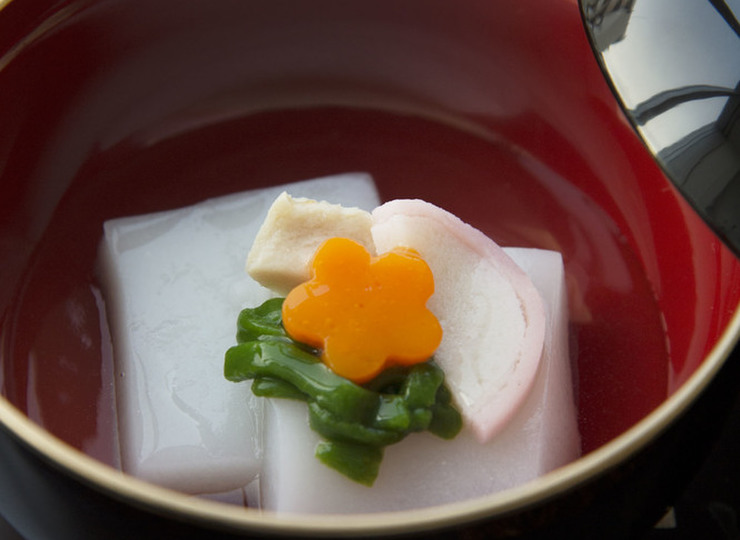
355	421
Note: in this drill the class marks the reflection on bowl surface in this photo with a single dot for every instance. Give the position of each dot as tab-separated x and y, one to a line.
160	105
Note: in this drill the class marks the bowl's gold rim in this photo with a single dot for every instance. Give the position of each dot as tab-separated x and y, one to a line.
180	506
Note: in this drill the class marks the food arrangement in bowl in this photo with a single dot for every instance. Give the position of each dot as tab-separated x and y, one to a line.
385	324
331	268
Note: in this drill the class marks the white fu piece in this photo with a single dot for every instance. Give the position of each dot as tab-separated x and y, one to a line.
174	284
423	470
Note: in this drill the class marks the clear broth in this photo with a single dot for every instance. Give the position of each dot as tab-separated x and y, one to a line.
58	366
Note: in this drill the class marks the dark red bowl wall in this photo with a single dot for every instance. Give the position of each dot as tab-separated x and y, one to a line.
120	107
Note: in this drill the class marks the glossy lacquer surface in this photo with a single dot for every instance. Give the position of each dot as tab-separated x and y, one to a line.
675	66
500	115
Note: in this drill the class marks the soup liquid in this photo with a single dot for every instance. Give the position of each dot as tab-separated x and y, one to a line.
58	365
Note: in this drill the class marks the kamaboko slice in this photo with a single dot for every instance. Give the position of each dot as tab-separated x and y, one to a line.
492	316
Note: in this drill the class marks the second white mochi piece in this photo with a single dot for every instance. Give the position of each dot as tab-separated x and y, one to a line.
175	284
424	470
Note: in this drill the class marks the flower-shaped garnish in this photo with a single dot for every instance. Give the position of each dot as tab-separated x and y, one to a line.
365	313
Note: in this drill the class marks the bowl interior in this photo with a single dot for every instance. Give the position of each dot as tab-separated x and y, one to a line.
123	107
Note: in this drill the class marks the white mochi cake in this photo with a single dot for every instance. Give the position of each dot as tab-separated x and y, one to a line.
505	355
174	285
540	435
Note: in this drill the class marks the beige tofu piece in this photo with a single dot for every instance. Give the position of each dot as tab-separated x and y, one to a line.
292	231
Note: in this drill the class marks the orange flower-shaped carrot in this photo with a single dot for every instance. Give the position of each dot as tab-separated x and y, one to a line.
365	313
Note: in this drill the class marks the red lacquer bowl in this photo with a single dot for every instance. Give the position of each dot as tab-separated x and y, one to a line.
498	112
